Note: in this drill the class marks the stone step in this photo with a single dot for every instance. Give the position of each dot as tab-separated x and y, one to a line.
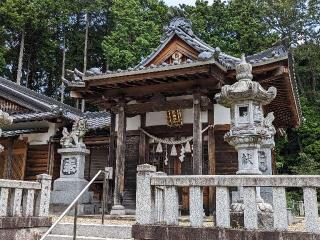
66	237
94	230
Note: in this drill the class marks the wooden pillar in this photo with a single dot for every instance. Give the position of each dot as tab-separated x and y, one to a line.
143	141
211	157
112	143
120	156
197	136
10	158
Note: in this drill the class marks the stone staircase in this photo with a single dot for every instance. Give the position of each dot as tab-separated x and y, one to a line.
64	231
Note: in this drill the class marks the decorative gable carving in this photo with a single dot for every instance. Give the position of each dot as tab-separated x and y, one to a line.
11	107
175	50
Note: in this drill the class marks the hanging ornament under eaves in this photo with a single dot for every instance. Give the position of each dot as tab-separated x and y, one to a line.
166	160
182	153
159	148
173	151
188	147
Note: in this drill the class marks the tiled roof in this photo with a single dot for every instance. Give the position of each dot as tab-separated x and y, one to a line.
182	28
17	132
44	108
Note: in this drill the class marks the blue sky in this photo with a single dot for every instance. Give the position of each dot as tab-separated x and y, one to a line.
177	2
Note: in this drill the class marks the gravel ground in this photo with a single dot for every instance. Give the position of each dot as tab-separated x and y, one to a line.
298	226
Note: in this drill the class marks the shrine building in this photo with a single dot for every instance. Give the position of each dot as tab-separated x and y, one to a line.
163	110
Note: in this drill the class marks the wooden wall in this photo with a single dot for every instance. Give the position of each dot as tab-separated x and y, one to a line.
132	159
37	161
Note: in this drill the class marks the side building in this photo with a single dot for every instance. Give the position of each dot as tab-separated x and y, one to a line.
31	142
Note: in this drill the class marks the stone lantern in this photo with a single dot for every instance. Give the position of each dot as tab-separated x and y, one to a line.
249	128
5	120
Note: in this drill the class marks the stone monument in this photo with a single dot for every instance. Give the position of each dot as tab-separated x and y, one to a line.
71	181
250	132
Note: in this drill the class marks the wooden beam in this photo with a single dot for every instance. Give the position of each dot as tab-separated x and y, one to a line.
156	106
141	75
120	157
184	86
197	136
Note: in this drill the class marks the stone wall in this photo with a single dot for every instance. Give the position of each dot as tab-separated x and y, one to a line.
160	232
23	228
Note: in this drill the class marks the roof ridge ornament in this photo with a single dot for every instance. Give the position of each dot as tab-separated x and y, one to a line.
244	70
179	22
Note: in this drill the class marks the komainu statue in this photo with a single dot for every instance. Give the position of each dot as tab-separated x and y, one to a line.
75	137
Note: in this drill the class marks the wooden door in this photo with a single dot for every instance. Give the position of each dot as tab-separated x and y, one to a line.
13	159
19	159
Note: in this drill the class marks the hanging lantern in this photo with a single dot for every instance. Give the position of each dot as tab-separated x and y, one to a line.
173	151
174	118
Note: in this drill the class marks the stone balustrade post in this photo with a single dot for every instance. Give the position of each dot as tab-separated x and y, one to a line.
171	205
145	202
311	209
15	202
196	206
4	198
250	208
43	199
280	209
159	201
222	207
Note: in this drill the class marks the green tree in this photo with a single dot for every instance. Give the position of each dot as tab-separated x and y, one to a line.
137	31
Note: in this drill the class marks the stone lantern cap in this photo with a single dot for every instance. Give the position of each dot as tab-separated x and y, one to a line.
245	88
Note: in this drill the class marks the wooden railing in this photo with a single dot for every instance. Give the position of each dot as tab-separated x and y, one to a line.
24	198
157	198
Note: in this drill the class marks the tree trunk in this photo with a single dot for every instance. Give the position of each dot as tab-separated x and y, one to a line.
20	61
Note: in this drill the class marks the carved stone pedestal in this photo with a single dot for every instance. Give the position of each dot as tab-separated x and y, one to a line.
71	181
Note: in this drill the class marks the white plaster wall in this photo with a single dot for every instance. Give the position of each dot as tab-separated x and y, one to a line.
41	138
187	116
133	123
221	115
156	118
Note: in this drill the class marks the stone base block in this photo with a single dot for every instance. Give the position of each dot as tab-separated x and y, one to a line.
83	209
265	220
118	210
67	196
65	190
74	184
165	232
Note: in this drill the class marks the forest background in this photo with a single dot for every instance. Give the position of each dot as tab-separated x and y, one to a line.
33	34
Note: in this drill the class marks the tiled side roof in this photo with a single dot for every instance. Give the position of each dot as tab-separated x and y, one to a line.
97	119
11	133
45	108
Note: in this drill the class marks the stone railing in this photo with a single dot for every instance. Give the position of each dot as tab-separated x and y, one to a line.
24	198
157	198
